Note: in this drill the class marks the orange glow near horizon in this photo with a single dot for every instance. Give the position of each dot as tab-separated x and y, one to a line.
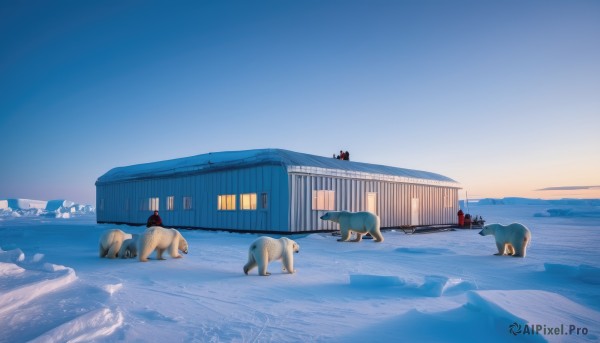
583	193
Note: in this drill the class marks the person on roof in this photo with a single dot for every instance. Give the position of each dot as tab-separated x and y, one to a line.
154	220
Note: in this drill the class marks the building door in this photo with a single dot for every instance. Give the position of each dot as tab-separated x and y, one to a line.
414	212
372	202
263	213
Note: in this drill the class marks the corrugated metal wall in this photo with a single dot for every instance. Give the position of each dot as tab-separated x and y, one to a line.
289	200
437	204
123	202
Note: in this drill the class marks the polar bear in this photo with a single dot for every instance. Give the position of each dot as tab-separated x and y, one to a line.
266	249
111	241
129	247
160	239
358	222
510	239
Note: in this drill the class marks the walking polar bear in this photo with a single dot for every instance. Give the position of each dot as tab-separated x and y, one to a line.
511	239
111	241
266	249
358	222
160	239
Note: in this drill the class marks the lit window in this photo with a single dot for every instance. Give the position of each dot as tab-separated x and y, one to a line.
248	201
187	203
170	203
226	202
153	204
372	202
323	200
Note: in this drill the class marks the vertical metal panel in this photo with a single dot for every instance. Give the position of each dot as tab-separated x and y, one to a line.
393	201
293	201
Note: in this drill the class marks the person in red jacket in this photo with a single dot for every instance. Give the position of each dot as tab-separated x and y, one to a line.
154	220
461	218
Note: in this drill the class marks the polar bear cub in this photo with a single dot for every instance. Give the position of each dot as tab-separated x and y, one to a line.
511	239
358	222
129	247
111	241
266	249
160	239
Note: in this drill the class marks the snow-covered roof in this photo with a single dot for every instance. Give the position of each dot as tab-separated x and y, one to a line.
294	162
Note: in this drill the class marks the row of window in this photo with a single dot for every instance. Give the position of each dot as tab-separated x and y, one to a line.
325	201
225	202
321	200
153	204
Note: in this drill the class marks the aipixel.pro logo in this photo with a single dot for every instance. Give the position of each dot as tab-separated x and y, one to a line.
542	329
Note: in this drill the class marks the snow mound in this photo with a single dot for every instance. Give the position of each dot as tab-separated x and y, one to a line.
10	270
25	204
37	257
41	302
490	316
31	284
317	236
436	286
519	311
53	205
432	286
111	289
16	208
15	255
582	272
91	326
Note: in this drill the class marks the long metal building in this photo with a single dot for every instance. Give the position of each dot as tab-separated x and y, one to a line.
271	190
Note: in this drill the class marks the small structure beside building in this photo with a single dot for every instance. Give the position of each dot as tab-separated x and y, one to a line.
271	190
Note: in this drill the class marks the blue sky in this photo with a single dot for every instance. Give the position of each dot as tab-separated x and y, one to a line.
502	96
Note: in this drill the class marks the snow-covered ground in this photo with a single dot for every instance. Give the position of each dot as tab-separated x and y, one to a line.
437	287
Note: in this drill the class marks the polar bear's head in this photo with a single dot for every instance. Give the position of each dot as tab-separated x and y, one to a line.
183	245
290	244
129	249
333	216
488	230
